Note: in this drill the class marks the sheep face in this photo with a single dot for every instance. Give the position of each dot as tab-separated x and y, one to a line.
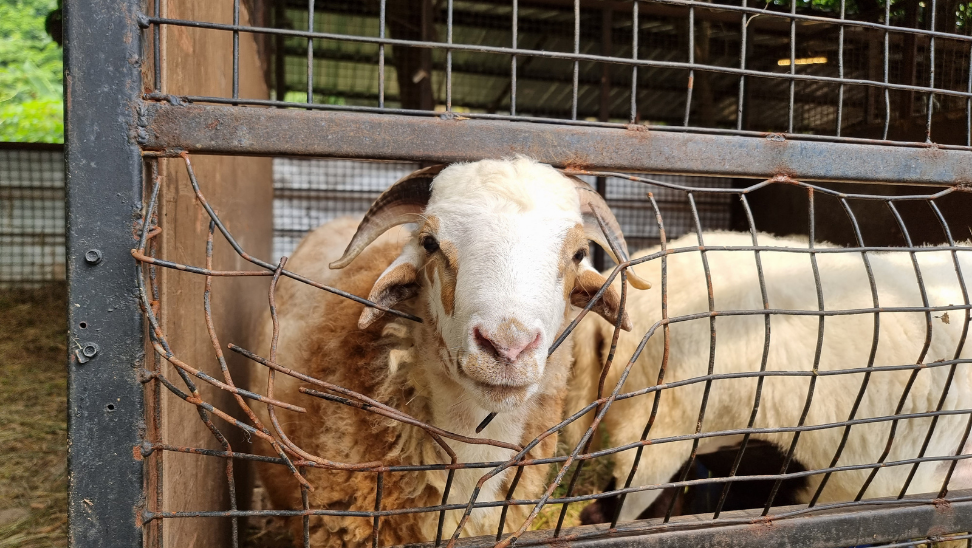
498	271
498	257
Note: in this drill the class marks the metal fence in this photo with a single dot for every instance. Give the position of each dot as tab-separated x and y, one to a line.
31	214
309	193
901	118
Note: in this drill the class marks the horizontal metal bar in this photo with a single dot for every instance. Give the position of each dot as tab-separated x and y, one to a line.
625	61
253	131
202	99
851	526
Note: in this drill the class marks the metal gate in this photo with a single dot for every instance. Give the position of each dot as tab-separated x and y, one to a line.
123	121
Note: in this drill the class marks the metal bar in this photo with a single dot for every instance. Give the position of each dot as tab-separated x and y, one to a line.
666	333
570	56
305	521
280	72
236	50
921	356
513	61
310	51
968	105
743	34
840	69
691	60
635	29
713	7
449	58
811	231
381	55
958	348
887	57
157	48
229	130
789	109
875	339
767	334
841	527
156	473
551	121
379	488
712	350
931	75
105	398
573	96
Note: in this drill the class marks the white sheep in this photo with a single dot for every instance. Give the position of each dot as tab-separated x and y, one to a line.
493	267
846	344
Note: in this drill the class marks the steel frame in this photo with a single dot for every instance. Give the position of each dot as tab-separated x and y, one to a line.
106	346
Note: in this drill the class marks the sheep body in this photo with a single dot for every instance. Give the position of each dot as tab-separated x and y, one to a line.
319	337
493	269
846	344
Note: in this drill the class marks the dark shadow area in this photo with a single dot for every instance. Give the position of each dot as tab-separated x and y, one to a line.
760	458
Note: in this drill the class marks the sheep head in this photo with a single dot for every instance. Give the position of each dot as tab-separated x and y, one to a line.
499	256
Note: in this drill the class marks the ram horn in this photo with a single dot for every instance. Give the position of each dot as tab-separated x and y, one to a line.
403	203
602	228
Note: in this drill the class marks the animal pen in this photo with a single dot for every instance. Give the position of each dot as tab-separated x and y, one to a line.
847	123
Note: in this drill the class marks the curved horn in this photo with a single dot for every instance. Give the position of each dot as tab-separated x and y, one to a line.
398	205
602	228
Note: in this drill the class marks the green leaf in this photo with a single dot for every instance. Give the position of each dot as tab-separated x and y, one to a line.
31	68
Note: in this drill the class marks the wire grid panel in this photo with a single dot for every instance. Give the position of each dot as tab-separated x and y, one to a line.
836	70
309	193
899	448
31	214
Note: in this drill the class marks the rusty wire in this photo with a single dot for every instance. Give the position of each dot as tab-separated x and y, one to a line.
298	460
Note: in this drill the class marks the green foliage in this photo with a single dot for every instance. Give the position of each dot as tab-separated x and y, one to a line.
31	104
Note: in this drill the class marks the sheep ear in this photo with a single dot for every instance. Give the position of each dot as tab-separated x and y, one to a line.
586	285
399	282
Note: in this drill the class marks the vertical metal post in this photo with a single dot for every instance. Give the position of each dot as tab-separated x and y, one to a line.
280	56
635	29
513	63
607	47
573	101
310	52
104	188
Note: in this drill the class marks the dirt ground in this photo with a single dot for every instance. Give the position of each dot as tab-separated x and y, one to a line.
33	418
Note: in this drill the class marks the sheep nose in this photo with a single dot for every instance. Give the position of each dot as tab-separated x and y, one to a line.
508	348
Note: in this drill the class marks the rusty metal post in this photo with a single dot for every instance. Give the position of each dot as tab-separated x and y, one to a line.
102	46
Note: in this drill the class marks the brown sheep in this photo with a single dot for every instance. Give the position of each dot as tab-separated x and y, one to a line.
494	269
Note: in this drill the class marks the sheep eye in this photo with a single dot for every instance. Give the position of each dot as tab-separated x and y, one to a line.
579	256
430	244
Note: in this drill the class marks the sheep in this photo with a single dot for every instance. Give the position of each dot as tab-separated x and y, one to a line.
494	269
739	344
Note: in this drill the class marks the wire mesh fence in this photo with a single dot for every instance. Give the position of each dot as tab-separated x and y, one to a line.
309	193
832	70
743	342
808	386
31	214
